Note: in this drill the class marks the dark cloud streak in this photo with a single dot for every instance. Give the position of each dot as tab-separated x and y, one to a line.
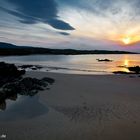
34	11
64	33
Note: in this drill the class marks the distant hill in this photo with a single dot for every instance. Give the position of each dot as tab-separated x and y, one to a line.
7	49
10	46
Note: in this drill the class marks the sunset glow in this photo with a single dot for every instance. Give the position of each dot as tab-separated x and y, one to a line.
127	40
130	40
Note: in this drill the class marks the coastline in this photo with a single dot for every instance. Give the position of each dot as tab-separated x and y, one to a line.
82	107
82	64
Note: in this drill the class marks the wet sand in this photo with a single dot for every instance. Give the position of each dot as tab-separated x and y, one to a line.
81	107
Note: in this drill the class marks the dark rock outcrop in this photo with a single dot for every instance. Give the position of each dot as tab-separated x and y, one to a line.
10	70
26	86
121	72
135	69
32	67
12	83
104	60
132	70
9	73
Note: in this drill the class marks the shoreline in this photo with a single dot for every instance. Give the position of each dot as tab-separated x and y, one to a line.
62	70
79	74
78	64
81	107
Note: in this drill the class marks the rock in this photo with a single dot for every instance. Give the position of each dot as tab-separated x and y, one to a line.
132	70
121	72
49	80
104	60
32	67
10	70
9	73
25	66
135	69
12	83
3	105
26	86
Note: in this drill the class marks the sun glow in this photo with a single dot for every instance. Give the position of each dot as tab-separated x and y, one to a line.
127	40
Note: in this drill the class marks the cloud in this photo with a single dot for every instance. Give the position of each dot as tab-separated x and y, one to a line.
35	22
59	24
64	33
34	11
100	7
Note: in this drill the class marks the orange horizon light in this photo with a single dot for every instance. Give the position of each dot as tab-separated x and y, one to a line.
129	40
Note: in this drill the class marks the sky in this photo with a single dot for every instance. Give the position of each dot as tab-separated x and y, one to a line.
73	24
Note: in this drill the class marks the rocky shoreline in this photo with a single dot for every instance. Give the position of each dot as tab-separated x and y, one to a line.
13	83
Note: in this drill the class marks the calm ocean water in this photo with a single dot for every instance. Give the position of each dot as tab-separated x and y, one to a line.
78	64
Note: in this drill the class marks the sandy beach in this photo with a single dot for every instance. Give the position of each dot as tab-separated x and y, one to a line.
81	107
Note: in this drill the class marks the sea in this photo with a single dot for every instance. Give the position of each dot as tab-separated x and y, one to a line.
77	64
